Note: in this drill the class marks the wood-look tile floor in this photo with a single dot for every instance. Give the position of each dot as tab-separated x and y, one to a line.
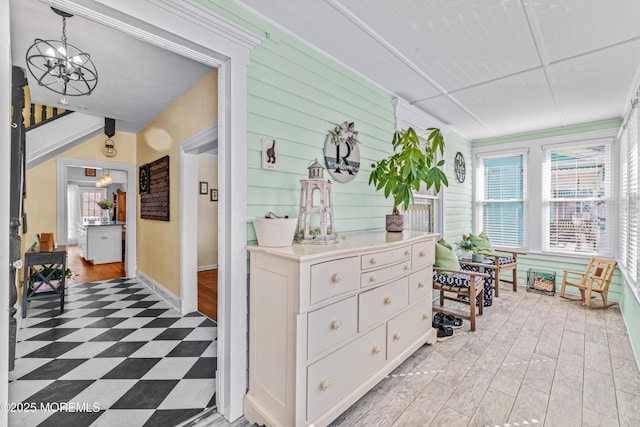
534	360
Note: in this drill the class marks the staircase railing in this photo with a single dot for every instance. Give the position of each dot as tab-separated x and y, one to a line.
37	114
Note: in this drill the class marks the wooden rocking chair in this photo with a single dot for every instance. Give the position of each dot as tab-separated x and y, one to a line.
596	278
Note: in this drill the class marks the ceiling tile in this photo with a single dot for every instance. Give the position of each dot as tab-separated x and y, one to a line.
596	86
330	31
455	117
572	27
516	104
457	43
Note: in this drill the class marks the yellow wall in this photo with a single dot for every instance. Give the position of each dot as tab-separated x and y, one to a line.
207	213
40	203
158	246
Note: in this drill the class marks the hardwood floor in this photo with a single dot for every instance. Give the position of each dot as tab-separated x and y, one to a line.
84	271
208	293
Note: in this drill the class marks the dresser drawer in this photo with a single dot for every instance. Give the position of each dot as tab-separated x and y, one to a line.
334	376
420	284
332	278
384	274
423	254
404	329
380	303
386	257
331	325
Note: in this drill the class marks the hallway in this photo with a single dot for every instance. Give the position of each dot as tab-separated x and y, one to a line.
118	353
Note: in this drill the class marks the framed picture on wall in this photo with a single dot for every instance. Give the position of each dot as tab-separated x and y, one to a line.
204	187
89	172
213	195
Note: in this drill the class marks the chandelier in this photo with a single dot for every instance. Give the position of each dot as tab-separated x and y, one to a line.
60	66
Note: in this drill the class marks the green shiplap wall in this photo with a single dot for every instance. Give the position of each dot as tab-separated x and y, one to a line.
295	96
458	198
631	312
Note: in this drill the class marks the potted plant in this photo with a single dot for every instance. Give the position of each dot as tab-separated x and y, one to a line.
52	275
407	168
106	206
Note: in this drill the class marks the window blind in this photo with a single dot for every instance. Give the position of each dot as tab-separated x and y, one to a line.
629	204
503	196
577	189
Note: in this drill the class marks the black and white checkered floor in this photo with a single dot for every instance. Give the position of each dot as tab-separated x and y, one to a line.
118	356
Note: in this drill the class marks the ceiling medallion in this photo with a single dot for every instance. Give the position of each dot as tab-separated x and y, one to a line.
60	66
459	167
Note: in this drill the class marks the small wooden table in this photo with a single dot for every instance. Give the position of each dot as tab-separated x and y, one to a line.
44	286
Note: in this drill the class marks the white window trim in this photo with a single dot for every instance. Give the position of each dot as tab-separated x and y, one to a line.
534	162
478	187
610	199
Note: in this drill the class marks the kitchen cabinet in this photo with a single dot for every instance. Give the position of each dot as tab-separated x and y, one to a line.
100	243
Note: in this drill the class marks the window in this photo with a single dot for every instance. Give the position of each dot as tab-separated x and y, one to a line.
423	214
501	197
629	204
576	193
89	198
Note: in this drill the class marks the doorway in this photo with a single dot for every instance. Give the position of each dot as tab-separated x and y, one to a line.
88	224
193	30
127	172
207	232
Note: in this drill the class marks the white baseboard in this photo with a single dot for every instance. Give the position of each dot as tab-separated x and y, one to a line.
208	267
170	298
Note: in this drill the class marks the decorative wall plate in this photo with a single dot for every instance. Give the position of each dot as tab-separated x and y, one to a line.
341	153
460	167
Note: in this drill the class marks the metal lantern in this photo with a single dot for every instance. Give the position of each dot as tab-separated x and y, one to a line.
316	199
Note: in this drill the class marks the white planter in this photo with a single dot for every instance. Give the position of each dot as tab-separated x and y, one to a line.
275	232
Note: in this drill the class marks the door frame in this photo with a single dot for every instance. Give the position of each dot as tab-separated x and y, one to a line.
62	165
197	32
190	149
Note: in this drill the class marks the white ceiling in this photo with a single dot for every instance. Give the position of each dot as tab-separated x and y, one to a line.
487	68
136	81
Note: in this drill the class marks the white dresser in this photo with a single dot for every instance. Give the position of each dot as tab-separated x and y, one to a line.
328	322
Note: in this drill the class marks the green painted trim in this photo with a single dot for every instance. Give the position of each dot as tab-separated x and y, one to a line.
589	127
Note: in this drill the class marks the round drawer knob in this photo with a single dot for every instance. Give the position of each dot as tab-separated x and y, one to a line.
325	384
426	316
376	349
406	253
387	300
335	325
407	267
336	278
422	254
421	284
373	261
396	336
372	279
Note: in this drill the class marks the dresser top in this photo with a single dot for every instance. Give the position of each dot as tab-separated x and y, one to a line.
347	243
